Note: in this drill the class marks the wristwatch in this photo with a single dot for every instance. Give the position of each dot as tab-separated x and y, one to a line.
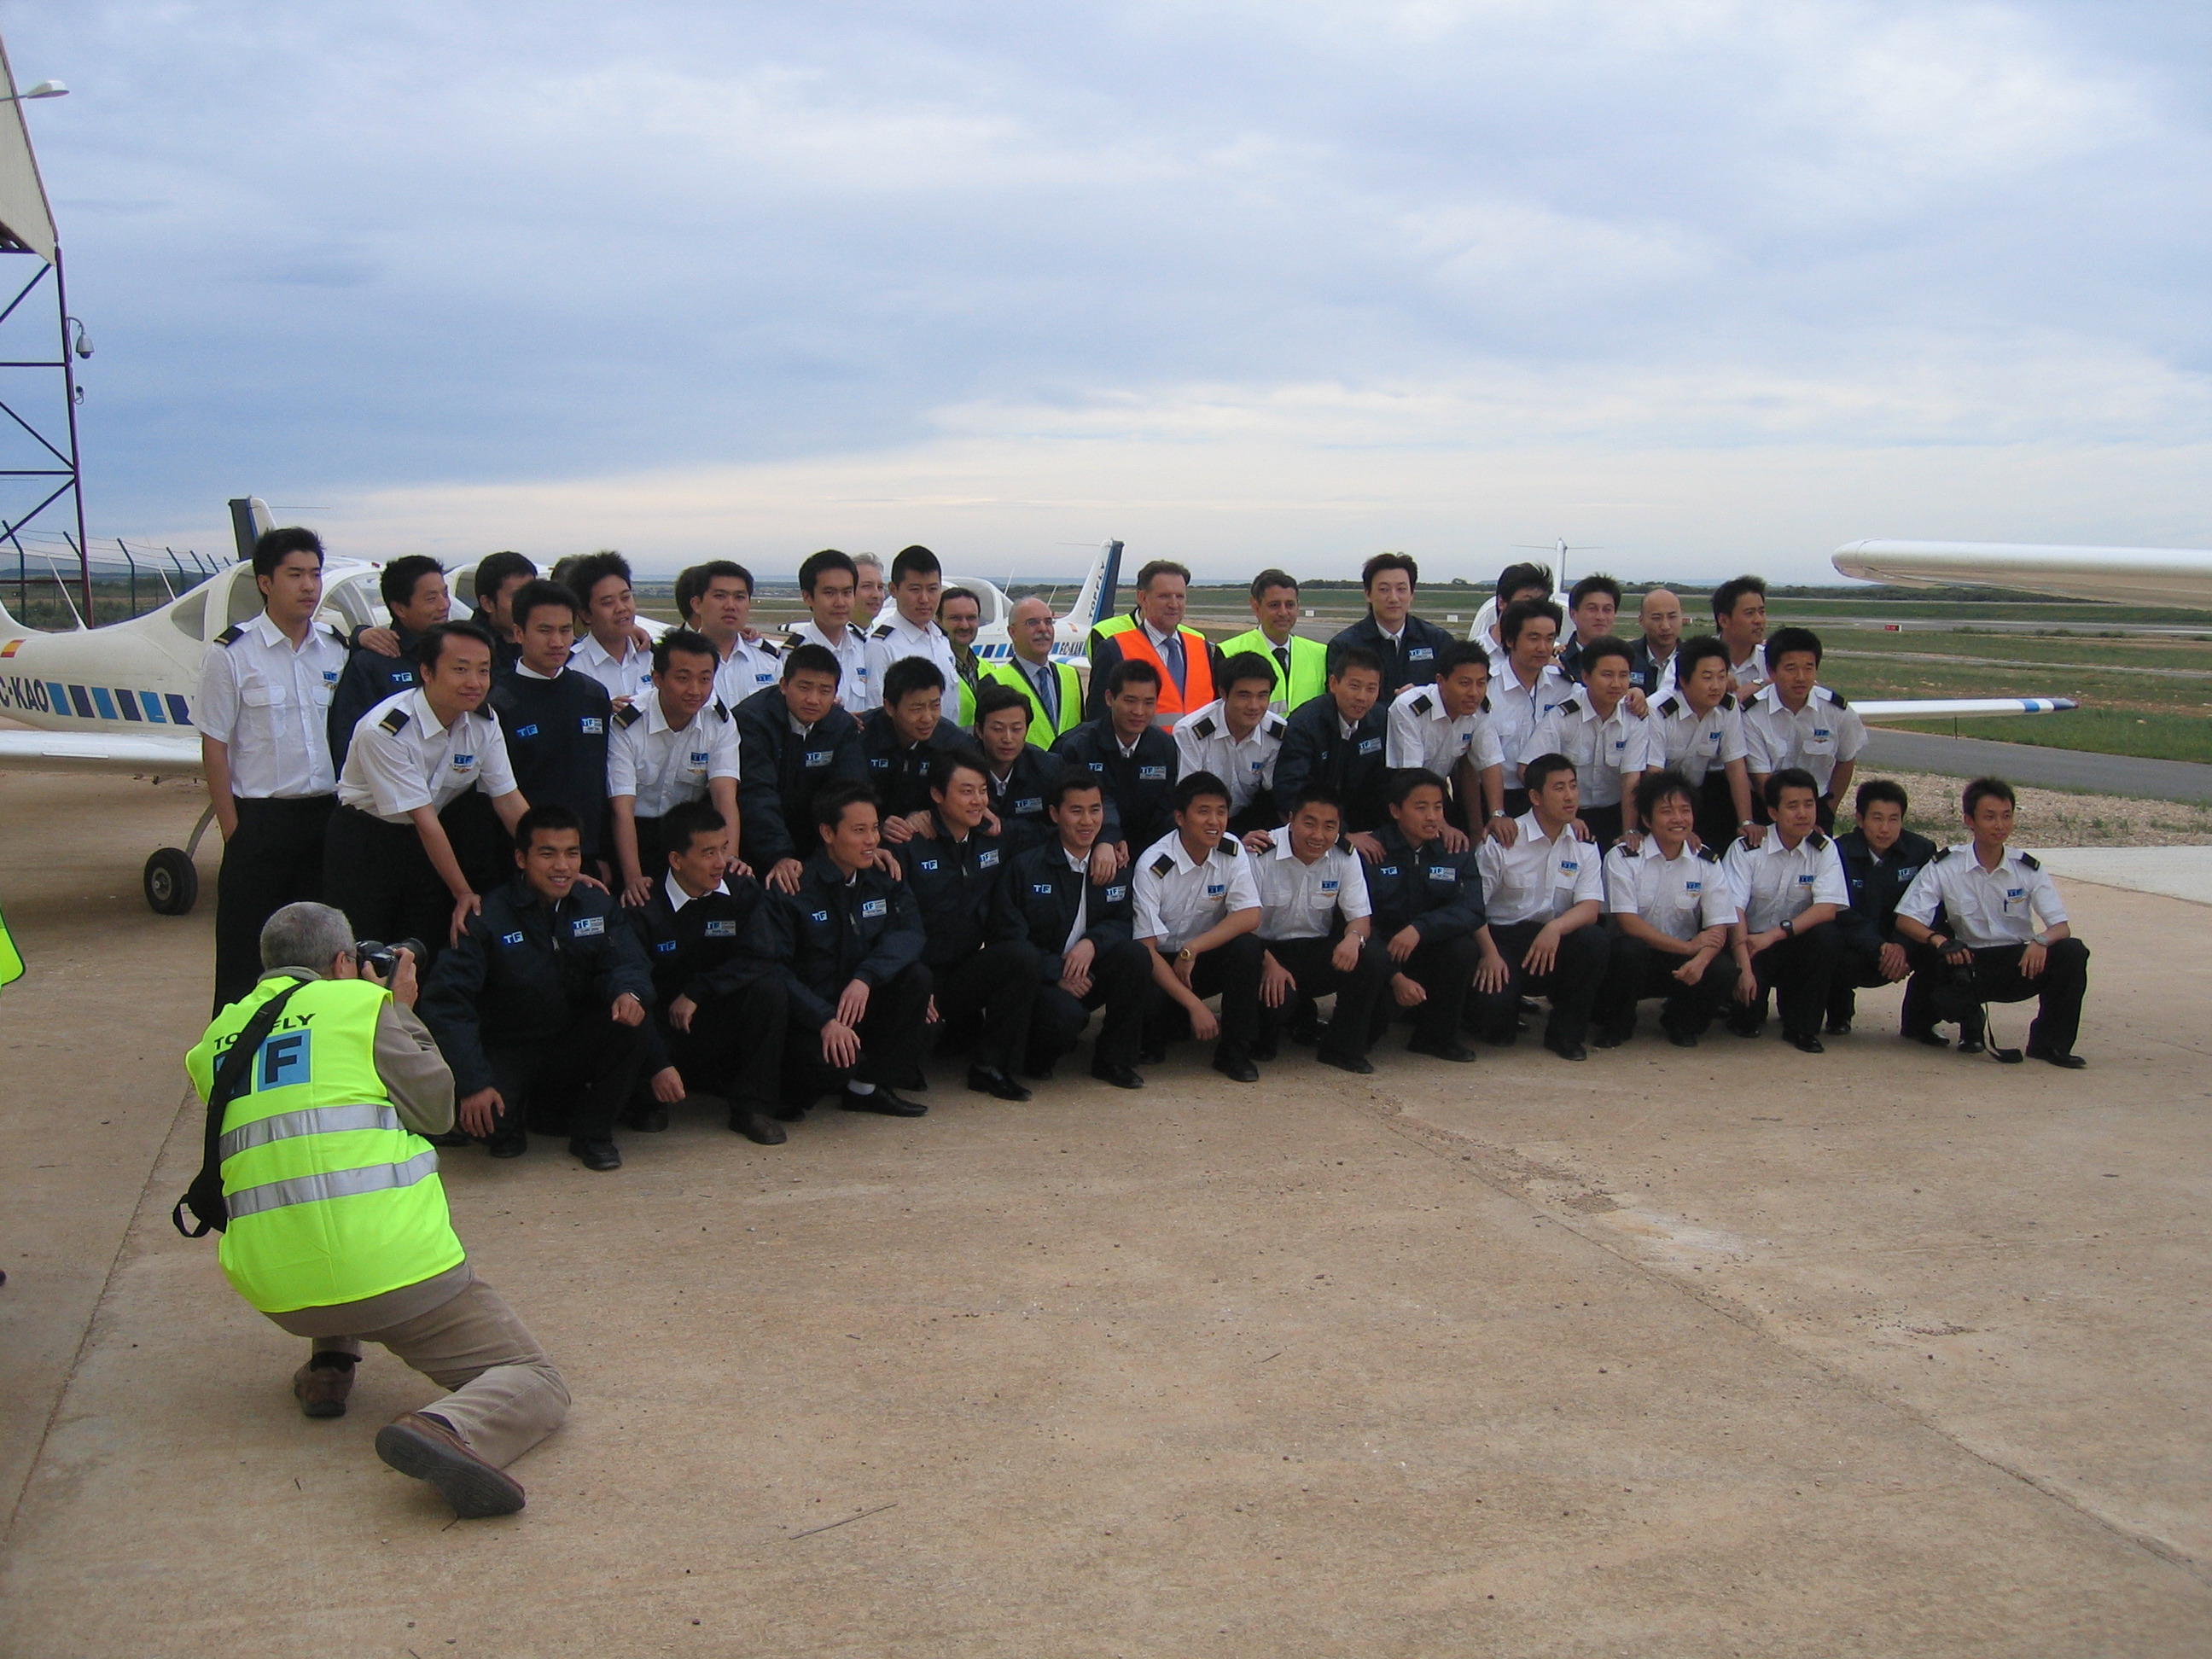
1500	812
1186	954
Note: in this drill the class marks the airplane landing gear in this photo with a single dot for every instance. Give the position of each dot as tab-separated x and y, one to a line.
171	879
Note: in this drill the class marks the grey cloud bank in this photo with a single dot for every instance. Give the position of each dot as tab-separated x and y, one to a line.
1712	284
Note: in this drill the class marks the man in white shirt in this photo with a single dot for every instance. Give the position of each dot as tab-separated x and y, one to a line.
1739	618
1198	911
1314	923
1792	720
265	688
1609	745
1515	582
826	584
1530	687
680	744
868	591
1698	730
1991	897
387	861
716	600
610	652
1543	894
1445	728
1672	908
911	627
1788	889
1236	737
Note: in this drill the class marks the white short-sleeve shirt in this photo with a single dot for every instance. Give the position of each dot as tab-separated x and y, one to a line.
660	765
1176	900
402	759
857	690
1247	765
1515	709
1984	907
1535	879
1820	737
1299	900
1423	734
628	677
1680	896
1694	743
894	637
267	703
1607	750
1774	882
752	665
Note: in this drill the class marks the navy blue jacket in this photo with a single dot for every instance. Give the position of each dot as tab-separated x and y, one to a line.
1314	749
781	772
956	887
899	771
366	680
832	931
1039	900
1411	661
1437	893
1877	883
556	741
1139	789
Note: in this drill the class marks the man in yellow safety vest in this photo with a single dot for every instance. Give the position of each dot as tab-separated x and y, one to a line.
1053	689
337	1226
1301	664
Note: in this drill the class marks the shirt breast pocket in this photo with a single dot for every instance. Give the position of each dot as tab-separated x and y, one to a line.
1820	740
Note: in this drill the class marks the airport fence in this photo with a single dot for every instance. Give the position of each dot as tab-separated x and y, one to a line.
45	588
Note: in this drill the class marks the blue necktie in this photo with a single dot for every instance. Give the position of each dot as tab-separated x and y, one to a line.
1172	655
1048	686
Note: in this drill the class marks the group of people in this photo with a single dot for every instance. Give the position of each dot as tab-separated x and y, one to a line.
537	870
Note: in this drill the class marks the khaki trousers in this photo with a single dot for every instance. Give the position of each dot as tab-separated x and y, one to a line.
505	1397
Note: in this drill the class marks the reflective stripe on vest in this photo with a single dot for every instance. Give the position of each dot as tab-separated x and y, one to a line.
332	1199
1197	667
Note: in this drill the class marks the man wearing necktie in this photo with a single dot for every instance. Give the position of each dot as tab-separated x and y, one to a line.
1301	664
1052	688
1189	669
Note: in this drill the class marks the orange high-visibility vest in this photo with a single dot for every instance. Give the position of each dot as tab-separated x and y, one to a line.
1197	667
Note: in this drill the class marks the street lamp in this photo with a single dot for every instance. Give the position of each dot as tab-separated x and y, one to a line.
43	89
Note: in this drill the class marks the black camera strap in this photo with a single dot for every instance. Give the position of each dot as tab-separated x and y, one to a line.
204	1198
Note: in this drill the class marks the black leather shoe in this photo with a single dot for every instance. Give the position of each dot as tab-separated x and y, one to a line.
1805	1042
1121	1077
1567	1050
1681	1039
1450	1051
886	1103
1266	1051
759	1127
650	1119
514	1146
1745	1028
990	1080
1972	1045
1040	1073
1609	1039
1839	1028
601	1155
1929	1035
1236	1068
1357	1065
2063	1062
1530	1006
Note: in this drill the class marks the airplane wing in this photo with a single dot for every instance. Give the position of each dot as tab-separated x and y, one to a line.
2122	575
1944	708
71	751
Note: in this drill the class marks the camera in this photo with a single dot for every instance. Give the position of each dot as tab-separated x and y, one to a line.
381	961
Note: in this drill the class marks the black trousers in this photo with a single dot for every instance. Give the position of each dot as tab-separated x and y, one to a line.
275	859
1120	982
734	1047
1639	970
986	1002
1230	970
1604	822
1572	987
573	1083
1797	972
1858	968
379	875
893	1033
1994	976
1444	968
1350	1031
1516	803
651	848
1717	819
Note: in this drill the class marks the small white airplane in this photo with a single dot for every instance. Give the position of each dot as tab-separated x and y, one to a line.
118	698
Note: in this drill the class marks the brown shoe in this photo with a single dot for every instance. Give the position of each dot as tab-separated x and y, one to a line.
424	1449
322	1390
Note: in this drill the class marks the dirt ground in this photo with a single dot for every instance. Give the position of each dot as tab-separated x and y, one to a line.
2058	817
1731	1351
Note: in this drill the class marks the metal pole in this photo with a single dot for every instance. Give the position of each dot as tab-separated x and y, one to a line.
76	472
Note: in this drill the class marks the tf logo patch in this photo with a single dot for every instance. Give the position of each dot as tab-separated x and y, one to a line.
1152	775
525	730
462	763
989	860
510	938
285	1059
587	926
875	908
820	756
593	726
1116	895
726	928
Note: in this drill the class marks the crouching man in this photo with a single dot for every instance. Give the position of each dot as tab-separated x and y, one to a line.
338	1230
1197	910
537	1007
718	1002
1788	889
1671	909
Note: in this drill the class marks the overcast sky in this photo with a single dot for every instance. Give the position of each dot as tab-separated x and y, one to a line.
1712	285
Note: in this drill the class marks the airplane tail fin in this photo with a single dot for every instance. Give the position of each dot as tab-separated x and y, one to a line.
1095	601
249	521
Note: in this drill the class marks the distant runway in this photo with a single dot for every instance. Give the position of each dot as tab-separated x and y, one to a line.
2050	768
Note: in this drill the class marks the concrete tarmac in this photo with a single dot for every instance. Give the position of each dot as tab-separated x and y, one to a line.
1729	1350
2031	764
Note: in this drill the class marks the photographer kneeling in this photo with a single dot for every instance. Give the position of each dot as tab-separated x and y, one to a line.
337	1222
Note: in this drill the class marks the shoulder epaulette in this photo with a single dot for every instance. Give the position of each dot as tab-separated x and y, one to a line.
1273	724
1486	702
1422	704
721	709
1232	847
337	634
1728	699
1163	863
1819	841
1708	856
1205	728
1942	853
232	634
882	631
792	638
1837	698
1571	707
629	716
2030	860
396	722
1668	706
1744	842
767	645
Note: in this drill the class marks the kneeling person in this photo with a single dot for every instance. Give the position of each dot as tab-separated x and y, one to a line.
849	938
1075	909
1542	893
718	1002
1672	910
1789	889
1198	910
537	1006
1428	915
1315	924
1881	858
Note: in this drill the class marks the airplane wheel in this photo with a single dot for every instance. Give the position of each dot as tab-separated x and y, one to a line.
173	885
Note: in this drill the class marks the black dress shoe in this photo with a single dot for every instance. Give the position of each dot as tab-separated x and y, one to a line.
1357	1065
1567	1050
1805	1042
886	1103
450	1138
1681	1039
990	1080
1972	1045
1929	1035
601	1155
1266	1051
2063	1062
1530	1006
1121	1077
650	1119
1839	1028
508	1145
1609	1039
1039	1073
1743	1027
1450	1051
758	1127
1236	1068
